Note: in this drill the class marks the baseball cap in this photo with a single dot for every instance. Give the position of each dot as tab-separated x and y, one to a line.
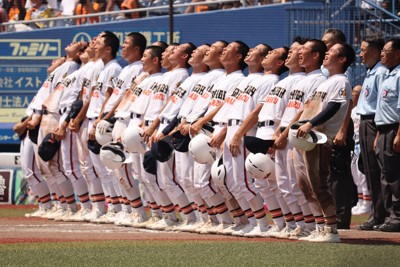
49	147
180	142
149	163
162	150
257	145
94	146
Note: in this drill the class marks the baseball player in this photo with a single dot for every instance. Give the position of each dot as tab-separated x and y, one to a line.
28	162
284	151
364	204
133	109
183	160
232	58
192	109
255	93
47	101
230	109
79	124
370	56
156	119
388	139
326	109
311	55
106	48
132	51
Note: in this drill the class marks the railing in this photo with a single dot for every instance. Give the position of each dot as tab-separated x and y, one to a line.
354	21
153	8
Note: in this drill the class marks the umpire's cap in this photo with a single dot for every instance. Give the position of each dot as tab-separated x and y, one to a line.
257	145
49	147
149	163
180	142
162	150
94	146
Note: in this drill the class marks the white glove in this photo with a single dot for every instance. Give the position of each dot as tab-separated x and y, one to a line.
102	126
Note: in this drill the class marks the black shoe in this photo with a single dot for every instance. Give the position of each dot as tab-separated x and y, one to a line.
377	227
390	227
368	226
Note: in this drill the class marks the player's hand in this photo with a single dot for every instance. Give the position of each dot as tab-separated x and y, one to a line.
218	139
102	126
59	134
19	128
147	134
304	130
196	127
92	134
159	137
375	141
234	146
184	129
33	123
97	121
340	139
396	144
280	142
74	126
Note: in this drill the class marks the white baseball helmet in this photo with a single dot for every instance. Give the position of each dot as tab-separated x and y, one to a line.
132	139
201	150
218	172
113	155
307	143
104	138
260	165
206	130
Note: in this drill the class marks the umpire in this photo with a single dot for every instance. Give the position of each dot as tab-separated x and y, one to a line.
370	55
387	120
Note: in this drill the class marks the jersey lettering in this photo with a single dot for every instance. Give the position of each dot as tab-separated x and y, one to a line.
278	91
293	104
219	94
193	95
319	96
137	91
296	95
250	90
180	92
199	89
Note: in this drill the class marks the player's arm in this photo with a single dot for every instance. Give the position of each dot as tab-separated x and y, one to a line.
340	138
196	127
248	123
21	127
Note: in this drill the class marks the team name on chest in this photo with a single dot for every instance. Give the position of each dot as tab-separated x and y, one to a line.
219	94
319	96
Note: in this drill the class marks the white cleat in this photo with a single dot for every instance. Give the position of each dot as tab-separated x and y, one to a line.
56	213
93	215
258	231
231	229
220	227
245	230
78	216
123	218
299	232
285	232
328	235
109	217
165	222
191	227
273	231
206	227
144	224
37	213
313	234
65	216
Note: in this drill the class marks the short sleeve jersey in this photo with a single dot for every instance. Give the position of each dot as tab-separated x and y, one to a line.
110	72
71	92
369	92
199	98
124	80
300	93
89	78
223	88
388	105
275	102
335	89
167	84
178	98
50	84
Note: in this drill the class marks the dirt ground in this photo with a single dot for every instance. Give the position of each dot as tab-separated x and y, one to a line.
38	230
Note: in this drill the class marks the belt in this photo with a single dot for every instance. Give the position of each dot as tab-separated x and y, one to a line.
135	115
367	117
165	121
62	110
387	127
147	123
44	112
265	123
93	119
234	122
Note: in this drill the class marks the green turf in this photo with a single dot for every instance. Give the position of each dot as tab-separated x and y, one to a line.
197	253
